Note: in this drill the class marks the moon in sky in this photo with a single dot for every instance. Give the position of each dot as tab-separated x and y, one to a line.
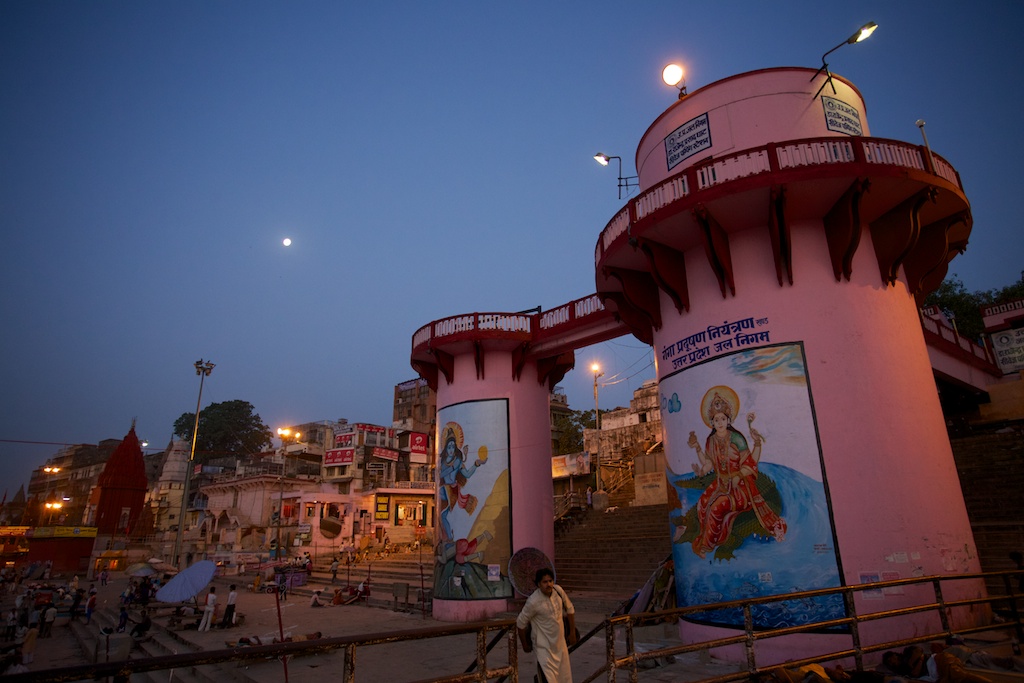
287	241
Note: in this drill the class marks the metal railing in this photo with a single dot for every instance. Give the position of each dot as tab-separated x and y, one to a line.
620	630
1012	603
350	645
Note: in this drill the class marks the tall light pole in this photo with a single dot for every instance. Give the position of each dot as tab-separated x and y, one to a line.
284	433
50	505
931	161
203	369
597	423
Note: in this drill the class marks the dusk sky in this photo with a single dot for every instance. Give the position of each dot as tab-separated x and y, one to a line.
426	158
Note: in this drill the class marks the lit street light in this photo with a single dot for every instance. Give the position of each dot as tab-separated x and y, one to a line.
284	433
203	369
597	423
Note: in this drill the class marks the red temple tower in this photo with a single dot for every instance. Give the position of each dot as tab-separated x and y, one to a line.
122	489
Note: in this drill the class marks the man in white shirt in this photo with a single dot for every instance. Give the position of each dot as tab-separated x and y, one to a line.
208	610
229	609
544	611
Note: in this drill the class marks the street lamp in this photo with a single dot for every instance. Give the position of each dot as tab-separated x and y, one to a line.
931	161
597	423
673	75
203	369
284	433
625	182
51	506
861	34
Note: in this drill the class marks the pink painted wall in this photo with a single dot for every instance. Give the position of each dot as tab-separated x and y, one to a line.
529	460
745	111
894	490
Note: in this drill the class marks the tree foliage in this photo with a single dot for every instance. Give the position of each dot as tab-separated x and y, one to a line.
569	428
964	307
228	428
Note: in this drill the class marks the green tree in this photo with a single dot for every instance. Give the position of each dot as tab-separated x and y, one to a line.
228	428
569	428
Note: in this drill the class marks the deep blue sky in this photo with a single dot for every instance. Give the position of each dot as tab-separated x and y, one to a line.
427	159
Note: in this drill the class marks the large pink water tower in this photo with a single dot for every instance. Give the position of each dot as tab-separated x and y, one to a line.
775	258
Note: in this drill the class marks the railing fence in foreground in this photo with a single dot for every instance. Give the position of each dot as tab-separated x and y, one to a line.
618	630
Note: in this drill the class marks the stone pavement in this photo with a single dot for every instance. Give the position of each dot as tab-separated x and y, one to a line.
407	661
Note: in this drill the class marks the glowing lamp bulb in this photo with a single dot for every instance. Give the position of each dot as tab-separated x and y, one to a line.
672	74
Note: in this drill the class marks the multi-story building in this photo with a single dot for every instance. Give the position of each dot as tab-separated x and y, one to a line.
385	472
415	421
68	479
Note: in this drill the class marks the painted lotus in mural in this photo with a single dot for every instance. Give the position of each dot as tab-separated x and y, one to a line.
749	514
473	502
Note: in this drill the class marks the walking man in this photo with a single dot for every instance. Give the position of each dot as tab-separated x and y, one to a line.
544	611
49	616
208	610
334	571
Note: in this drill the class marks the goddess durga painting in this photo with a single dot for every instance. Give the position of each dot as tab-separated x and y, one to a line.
734	488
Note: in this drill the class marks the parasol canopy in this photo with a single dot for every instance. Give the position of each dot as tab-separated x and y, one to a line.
522	567
187	584
162	566
141	569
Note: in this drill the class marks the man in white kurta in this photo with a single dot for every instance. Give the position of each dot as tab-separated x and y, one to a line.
544	609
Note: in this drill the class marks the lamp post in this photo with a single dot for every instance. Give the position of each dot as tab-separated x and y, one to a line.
673	75
203	369
55	505
931	161
861	34
284	433
597	423
625	182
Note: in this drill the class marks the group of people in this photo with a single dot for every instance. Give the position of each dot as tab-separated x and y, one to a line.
140	592
34	612
210	609
952	662
947	663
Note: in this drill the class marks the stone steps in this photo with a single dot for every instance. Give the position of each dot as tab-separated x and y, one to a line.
613	552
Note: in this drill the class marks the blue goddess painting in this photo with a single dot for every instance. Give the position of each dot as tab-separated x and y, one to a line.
473	502
749	512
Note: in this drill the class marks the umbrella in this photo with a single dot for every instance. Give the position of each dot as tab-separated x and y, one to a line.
522	567
187	584
161	566
141	569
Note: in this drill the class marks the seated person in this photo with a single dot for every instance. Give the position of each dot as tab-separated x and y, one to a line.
339	598
140	629
314	601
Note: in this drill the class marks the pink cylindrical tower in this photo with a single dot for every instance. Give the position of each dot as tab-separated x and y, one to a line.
493	454
775	259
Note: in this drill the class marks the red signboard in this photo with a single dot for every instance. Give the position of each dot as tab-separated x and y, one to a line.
342	440
385	454
340	456
371	428
417	443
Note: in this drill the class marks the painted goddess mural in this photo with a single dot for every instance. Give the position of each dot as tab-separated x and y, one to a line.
454	474
734	488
